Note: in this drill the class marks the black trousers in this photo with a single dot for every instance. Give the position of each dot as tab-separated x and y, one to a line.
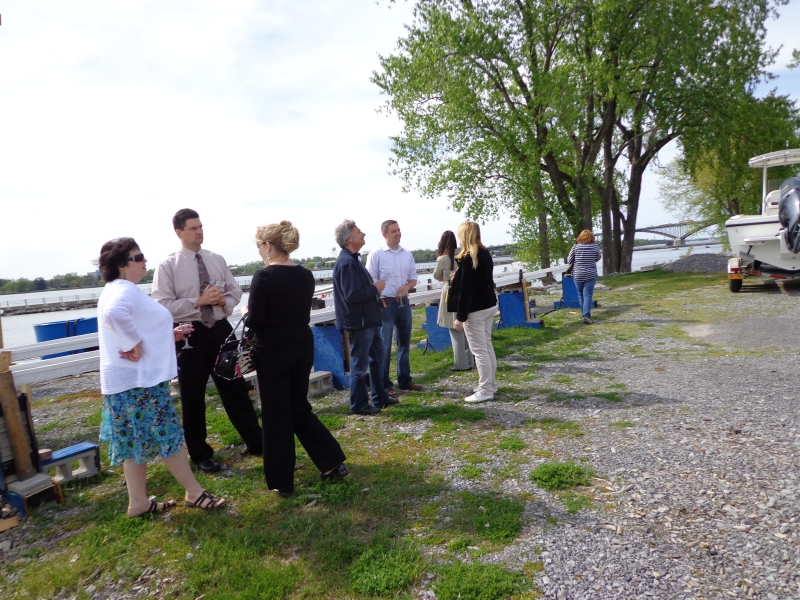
195	364
286	412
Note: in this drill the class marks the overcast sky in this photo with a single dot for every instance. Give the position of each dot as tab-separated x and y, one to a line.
116	114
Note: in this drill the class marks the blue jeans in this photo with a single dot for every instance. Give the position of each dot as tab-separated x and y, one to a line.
397	317
585	291
366	353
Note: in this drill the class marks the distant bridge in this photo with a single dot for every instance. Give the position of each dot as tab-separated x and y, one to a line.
675	231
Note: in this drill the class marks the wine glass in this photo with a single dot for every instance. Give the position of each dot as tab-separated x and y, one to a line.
183	326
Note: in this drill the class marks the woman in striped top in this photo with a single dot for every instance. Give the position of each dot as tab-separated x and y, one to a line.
583	257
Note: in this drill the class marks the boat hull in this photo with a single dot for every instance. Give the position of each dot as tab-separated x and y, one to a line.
761	238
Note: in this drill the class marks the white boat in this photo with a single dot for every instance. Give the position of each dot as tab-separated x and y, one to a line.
768	244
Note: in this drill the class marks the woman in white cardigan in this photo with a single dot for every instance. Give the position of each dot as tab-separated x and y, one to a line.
137	361
445	268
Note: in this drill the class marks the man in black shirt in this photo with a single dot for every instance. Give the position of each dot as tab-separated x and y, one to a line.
358	310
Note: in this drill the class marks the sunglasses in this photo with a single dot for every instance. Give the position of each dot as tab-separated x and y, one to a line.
136	258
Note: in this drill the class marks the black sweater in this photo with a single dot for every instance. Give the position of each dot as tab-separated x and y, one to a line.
476	289
280	307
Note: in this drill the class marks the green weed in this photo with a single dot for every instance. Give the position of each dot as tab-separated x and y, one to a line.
384	571
560	476
477	581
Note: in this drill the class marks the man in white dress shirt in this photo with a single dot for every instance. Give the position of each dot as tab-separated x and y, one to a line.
395	265
196	285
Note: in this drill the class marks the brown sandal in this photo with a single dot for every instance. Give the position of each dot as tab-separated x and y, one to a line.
154	509
206	501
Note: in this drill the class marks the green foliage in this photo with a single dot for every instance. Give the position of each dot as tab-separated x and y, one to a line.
488	517
408	411
512	443
477	581
560	476
554	424
470	472
384	571
712	180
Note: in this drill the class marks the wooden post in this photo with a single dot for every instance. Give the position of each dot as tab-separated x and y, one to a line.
526	300
1	331
14	423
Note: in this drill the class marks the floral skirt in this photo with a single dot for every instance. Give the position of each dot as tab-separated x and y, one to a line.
140	423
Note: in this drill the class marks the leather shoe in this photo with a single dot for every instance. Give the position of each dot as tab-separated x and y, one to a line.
415	387
367	411
339	472
391	392
209	465
392	401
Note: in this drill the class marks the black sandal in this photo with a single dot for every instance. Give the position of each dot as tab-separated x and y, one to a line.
206	501
153	510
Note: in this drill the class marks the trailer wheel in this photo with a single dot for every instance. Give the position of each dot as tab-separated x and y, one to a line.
735	284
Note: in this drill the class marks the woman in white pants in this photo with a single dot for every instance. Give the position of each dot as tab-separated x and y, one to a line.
476	303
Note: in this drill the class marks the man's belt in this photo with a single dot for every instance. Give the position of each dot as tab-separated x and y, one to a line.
398	299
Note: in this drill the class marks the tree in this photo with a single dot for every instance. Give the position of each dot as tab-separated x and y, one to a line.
530	106
711	181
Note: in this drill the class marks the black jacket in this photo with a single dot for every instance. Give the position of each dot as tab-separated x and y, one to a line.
476	289
357	300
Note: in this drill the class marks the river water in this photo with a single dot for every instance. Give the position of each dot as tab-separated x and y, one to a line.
18	329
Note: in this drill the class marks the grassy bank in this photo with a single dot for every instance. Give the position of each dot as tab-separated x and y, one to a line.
427	498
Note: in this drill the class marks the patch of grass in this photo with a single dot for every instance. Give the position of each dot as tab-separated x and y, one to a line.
332	422
384	571
92	420
51	426
610	396
542	453
85	394
560	476
470	472
409	411
487	517
554	424
512	443
574	502
531	569
459	544
622	424
218	423
561	378
477	581
563	397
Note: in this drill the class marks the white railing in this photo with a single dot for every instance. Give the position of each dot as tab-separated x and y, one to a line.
29	371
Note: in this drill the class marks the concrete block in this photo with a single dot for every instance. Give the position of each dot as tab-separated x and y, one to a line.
86	454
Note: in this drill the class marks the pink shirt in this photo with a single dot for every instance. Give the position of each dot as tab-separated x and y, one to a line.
176	284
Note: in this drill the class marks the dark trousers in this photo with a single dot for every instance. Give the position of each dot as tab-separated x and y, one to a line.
286	412
366	354
195	364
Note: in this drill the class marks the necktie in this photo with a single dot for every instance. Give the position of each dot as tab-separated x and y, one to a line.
206	311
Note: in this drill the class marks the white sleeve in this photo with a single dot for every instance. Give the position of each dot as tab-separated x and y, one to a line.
373	265
119	318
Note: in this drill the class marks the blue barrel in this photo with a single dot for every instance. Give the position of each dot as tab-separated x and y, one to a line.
60	329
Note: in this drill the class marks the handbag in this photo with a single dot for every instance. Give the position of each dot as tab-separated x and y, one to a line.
568	272
453	291
235	357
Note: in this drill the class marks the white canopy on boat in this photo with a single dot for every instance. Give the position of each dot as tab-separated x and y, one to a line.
790	156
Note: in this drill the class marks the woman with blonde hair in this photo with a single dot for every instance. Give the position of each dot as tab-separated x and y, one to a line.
476	307
583	257
445	266
279	312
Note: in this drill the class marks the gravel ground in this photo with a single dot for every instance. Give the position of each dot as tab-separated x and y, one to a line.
700	496
700	263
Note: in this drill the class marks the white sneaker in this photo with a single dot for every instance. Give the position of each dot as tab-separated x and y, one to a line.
475	398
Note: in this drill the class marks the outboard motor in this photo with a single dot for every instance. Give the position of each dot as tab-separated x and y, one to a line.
789	212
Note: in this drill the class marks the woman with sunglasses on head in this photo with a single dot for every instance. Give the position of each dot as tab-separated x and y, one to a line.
476	307
279	312
444	270
137	361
